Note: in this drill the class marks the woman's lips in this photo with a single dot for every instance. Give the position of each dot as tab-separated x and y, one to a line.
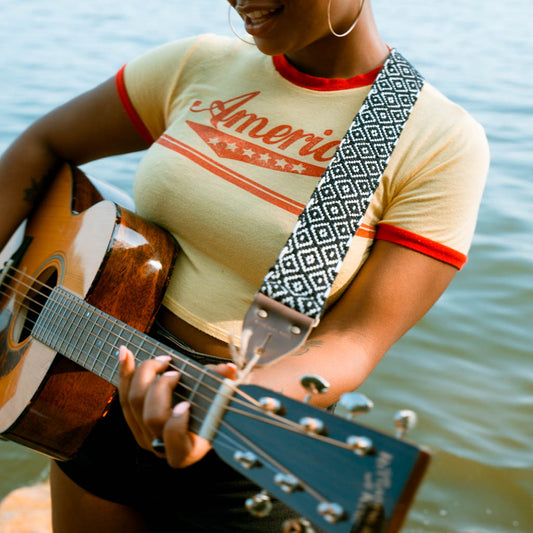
258	20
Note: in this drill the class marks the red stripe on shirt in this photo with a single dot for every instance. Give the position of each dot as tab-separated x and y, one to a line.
366	231
229	175
316	83
386	232
128	107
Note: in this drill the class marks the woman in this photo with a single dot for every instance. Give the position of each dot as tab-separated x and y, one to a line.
266	119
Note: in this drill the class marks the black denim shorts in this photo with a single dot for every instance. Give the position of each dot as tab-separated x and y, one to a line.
207	496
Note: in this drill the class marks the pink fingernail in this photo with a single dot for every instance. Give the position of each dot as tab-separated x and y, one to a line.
171	374
163	358
181	408
122	354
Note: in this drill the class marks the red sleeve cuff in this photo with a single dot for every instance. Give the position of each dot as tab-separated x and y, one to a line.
130	110
389	233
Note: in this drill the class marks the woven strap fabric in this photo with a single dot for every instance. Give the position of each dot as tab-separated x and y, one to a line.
312	257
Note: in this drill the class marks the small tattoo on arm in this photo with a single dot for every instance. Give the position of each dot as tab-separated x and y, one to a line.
35	191
309	345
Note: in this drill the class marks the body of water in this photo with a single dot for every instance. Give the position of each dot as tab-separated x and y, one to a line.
466	368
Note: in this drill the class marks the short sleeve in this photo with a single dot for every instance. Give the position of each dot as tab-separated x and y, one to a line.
435	180
148	85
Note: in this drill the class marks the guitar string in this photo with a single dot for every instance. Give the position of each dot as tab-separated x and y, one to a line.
145	339
134	333
305	486
113	367
271	417
250	400
252	403
281	424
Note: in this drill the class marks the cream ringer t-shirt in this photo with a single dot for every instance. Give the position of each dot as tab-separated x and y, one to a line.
238	142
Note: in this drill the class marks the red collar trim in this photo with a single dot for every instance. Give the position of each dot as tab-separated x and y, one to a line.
290	73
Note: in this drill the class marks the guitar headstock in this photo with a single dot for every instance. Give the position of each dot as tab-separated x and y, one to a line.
338	475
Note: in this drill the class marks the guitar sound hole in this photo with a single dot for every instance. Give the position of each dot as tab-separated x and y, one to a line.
33	302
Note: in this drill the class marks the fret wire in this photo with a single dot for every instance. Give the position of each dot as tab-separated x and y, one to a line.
99	351
68	309
108	352
129	341
47	326
43	330
71	310
159	348
78	350
45	334
97	364
67	325
49	322
194	390
143	353
53	323
87	344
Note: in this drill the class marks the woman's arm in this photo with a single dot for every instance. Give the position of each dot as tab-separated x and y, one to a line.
89	127
393	290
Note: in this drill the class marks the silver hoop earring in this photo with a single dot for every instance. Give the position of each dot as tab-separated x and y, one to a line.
350	29
230	9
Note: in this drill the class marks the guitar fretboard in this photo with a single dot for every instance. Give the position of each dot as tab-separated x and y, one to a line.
91	338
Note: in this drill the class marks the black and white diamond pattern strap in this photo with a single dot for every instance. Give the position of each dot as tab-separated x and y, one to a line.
311	259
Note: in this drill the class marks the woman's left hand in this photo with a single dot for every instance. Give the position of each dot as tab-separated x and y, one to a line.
145	395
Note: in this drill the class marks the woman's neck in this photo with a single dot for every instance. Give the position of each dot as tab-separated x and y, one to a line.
344	57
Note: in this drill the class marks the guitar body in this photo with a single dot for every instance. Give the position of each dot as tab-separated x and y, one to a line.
108	256
89	276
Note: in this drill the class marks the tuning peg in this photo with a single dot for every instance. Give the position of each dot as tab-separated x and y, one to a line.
355	403
246	459
332	512
404	420
313	385
361	445
259	505
297	525
272	405
287	482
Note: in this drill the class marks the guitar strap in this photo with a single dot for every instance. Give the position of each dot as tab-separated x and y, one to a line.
293	294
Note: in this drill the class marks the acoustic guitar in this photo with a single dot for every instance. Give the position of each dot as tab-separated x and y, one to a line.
89	276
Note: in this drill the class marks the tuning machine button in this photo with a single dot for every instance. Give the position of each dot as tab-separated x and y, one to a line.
287	482
355	403
404	420
313	385
272	405
362	446
259	505
313	425
246	459
297	525
332	512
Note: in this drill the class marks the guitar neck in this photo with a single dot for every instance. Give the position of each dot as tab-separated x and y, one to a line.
91	338
276	451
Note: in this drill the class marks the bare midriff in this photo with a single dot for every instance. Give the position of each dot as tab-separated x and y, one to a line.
196	339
